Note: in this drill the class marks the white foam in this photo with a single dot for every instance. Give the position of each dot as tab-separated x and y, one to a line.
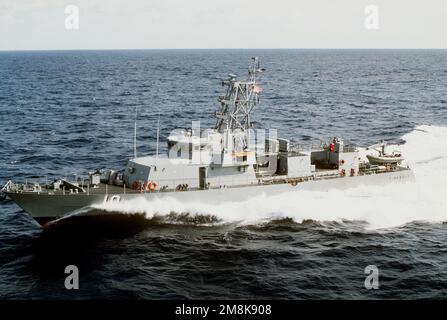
381	207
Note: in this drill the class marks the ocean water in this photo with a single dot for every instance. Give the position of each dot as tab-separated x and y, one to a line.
65	113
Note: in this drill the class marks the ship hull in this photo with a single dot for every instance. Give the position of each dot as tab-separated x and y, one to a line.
45	207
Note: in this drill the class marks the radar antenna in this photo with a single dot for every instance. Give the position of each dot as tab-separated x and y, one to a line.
239	101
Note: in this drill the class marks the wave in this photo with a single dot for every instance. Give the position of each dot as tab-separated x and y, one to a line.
386	206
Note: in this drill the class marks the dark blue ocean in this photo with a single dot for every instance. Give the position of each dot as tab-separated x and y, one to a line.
65	113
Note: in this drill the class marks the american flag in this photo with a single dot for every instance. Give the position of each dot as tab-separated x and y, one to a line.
257	89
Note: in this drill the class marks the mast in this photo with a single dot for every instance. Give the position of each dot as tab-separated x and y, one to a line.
240	99
158	137
135	135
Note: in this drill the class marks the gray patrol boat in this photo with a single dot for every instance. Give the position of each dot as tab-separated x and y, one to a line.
228	163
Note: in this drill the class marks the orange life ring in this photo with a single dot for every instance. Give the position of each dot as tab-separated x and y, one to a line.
152	186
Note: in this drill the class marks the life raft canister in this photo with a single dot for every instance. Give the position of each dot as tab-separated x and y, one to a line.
152	186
